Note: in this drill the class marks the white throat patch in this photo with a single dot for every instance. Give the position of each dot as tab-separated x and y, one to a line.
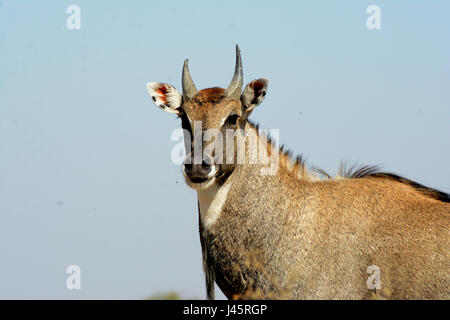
211	201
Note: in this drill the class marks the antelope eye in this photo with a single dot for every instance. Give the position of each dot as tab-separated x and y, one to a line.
231	120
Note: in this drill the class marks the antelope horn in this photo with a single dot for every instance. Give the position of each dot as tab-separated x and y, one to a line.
189	89
235	88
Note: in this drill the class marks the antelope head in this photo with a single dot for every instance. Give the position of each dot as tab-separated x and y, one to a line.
206	116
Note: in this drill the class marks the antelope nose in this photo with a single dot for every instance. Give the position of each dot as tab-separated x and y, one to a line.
197	170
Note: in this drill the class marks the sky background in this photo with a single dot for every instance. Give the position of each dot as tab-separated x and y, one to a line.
85	170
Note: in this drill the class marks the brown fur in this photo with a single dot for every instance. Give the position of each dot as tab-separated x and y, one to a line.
209	95
315	239
291	236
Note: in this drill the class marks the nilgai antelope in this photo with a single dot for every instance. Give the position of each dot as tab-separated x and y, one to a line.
297	233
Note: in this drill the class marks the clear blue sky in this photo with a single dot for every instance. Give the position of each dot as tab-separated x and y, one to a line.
85	170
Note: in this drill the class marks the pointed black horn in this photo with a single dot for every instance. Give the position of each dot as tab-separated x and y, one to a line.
234	90
189	89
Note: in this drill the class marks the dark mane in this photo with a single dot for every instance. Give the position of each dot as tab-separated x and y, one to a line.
358	172
430	192
298	160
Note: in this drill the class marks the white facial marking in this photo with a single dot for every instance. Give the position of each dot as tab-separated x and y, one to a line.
213	171
223	121
190	121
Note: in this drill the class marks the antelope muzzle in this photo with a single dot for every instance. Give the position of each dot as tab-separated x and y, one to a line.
198	172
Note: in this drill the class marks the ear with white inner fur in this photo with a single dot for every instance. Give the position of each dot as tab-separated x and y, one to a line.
254	94
165	96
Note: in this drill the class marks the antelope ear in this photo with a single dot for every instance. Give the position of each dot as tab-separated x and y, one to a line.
165	96
254	94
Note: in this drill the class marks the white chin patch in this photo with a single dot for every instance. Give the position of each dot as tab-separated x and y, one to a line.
201	185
